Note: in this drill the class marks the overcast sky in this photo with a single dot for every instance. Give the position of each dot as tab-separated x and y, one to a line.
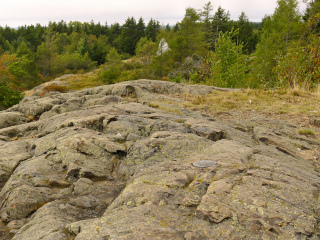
16	13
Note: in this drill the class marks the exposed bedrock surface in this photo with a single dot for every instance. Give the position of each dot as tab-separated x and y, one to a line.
102	163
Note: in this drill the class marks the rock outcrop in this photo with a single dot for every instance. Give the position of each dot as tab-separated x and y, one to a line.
105	163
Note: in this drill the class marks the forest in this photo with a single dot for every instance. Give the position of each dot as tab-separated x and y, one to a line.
206	47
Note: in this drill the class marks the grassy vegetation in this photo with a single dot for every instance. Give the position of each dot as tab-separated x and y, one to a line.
306	132
84	80
291	102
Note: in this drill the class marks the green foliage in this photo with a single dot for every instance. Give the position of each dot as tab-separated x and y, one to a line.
313	8
206	15
178	45
278	32
205	72
129	75
246	35
284	55
128	38
99	49
162	61
113	56
83	45
8	96
76	61
47	55
300	67
8	82
111	75
190	39
220	23
152	29
177	79
230	62
144	49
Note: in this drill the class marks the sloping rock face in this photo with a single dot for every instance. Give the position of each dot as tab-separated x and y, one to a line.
102	163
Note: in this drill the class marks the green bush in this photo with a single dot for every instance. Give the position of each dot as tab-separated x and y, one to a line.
110	75
129	75
300	67
178	79
230	63
75	61
8	96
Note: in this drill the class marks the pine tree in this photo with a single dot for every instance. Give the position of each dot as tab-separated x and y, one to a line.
278	32
47	55
313	8
229	69
141	27
246	36
189	39
114	33
152	30
207	18
220	23
128	38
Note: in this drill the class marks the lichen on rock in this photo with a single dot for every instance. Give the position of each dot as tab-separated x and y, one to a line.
102	163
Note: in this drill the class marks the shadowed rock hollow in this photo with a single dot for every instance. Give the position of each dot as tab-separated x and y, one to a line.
102	163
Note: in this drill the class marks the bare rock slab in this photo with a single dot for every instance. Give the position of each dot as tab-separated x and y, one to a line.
106	163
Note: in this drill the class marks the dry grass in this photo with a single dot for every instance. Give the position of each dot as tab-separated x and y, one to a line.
290	102
284	103
81	81
55	88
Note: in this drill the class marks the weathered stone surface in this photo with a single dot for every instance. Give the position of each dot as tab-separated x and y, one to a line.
11	154
8	119
102	163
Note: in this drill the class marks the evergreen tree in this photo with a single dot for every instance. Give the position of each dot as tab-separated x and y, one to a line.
62	27
141	27
114	33
83	45
47	55
246	36
128	38
189	39
229	70
4	45
24	50
152	30
313	8
220	23
207	18
178	45
9	34
26	68
168	28
278	31
99	50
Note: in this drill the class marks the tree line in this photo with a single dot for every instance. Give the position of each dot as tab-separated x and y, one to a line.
205	47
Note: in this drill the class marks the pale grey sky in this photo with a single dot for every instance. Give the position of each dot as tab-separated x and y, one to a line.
15	13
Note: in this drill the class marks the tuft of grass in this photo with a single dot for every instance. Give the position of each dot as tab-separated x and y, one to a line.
171	109
153	105
55	88
306	132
